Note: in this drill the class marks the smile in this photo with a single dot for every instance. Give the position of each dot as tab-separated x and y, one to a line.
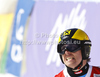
69	58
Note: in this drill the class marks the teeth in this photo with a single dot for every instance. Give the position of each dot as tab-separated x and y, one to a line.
69	58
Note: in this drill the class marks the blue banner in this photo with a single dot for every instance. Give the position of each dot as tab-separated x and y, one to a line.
14	59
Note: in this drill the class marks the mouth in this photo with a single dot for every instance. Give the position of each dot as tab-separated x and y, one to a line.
69	59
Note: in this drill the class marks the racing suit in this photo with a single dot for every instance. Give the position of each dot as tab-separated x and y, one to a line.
92	71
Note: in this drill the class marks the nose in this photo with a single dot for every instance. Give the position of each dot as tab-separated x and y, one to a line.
67	52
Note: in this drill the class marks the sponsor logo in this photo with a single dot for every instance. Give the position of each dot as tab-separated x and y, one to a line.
19	37
78	72
87	43
67	33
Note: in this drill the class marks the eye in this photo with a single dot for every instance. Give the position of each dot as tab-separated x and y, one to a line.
73	47
63	48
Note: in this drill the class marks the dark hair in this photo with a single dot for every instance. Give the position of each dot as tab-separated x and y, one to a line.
89	59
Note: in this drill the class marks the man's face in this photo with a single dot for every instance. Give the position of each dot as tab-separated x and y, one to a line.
72	59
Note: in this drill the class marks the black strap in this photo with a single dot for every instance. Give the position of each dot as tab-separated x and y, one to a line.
81	72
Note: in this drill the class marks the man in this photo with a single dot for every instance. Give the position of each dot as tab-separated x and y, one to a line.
74	48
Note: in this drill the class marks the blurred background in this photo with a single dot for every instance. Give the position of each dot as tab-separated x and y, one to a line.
29	32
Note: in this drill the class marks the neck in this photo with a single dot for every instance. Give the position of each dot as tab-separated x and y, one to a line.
79	72
83	64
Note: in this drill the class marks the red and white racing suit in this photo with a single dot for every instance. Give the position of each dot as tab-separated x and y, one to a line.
92	72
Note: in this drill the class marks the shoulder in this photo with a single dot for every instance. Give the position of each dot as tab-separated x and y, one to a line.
96	69
60	74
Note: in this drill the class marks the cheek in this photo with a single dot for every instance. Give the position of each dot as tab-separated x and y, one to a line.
63	57
78	56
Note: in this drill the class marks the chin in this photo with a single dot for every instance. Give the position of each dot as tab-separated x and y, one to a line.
71	65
